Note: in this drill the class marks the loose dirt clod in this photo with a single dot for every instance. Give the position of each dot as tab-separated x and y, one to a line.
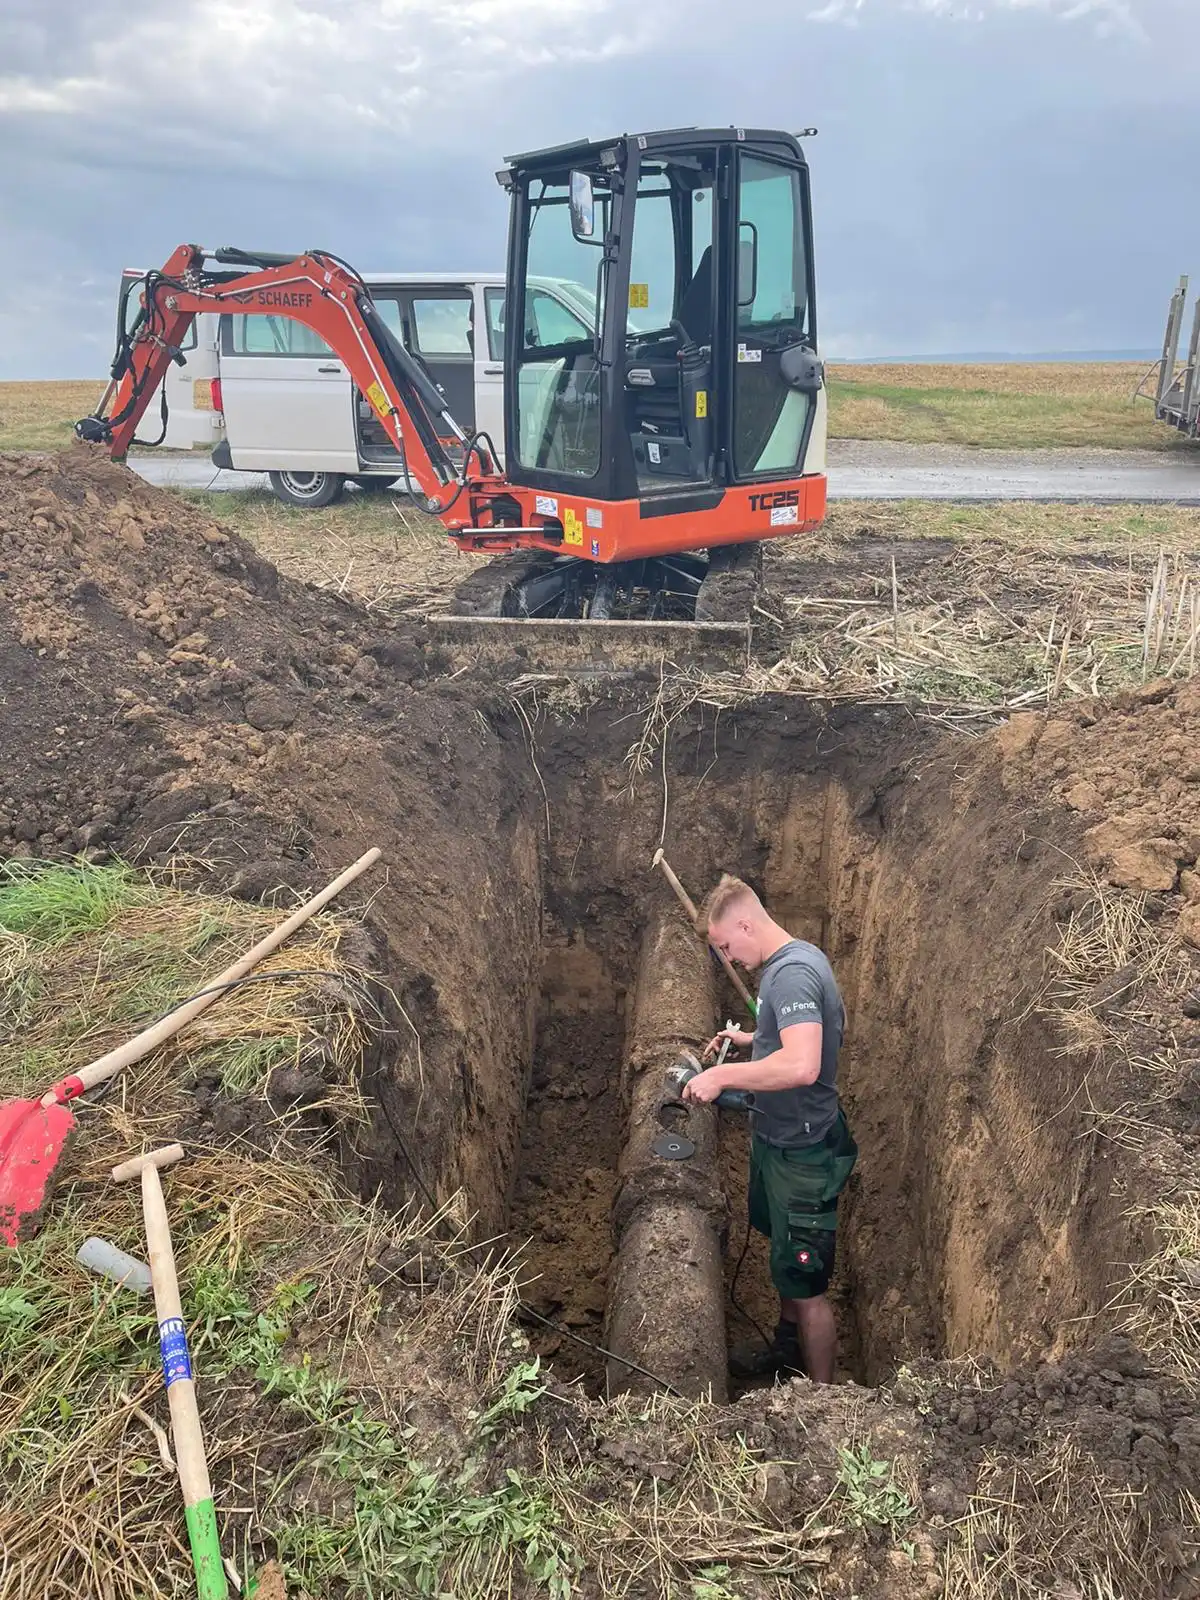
1012	915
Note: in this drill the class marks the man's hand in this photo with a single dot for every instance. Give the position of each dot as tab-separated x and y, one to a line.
734	1035
705	1086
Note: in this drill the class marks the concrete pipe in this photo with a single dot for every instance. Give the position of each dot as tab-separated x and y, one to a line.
666	1306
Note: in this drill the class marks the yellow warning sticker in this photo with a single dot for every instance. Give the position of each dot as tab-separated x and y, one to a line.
701	402
202	394
379	400
572	527
639	296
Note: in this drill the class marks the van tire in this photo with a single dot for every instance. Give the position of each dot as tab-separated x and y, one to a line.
311	489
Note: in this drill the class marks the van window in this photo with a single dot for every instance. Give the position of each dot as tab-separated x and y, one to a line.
389	310
493	299
552	322
548	321
131	307
443	326
256	334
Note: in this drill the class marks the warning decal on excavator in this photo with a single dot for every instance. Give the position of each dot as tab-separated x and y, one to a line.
572	527
701	402
639	296
379	400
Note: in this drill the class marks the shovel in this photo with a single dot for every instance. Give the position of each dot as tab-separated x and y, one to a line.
33	1133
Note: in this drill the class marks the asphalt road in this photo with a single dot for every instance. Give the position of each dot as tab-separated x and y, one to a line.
859	470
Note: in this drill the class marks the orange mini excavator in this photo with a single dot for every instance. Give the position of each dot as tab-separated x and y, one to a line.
651	446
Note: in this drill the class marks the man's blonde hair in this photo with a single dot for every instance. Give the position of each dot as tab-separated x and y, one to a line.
729	893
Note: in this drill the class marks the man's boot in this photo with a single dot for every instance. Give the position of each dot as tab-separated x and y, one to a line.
782	1355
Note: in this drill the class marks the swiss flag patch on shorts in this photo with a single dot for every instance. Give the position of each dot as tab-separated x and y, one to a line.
804	1257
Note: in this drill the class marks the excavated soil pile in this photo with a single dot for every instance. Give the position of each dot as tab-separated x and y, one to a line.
154	662
1014	918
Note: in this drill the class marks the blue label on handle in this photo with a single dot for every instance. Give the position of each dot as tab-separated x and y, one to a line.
172	1340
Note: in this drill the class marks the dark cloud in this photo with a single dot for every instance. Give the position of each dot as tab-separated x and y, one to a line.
996	174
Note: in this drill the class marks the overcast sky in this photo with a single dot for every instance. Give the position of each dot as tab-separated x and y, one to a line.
1015	175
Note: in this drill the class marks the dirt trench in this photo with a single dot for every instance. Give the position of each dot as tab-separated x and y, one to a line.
985	1215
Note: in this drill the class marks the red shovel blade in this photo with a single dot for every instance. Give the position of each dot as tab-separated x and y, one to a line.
32	1138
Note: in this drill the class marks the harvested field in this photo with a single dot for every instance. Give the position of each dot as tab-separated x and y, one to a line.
406	1207
1036	405
1004	405
42	416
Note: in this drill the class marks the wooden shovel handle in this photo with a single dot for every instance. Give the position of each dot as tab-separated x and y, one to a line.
181	1394
688	905
150	1038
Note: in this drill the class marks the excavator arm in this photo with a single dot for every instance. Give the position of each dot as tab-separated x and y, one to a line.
330	298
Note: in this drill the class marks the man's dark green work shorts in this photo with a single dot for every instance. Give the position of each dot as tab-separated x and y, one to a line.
793	1200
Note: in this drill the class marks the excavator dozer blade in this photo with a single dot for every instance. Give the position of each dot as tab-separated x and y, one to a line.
566	646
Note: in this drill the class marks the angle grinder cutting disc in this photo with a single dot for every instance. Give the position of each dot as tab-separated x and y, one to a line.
673	1146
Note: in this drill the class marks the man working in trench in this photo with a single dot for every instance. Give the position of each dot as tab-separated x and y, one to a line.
801	1151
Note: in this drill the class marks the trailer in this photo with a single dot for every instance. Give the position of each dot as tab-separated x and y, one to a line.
1177	393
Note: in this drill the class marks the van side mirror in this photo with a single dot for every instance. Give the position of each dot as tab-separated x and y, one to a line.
747	268
583	206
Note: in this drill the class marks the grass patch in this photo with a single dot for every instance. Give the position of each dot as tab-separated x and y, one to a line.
1018	406
394	558
53	903
116	950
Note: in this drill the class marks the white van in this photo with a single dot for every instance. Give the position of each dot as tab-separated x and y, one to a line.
282	401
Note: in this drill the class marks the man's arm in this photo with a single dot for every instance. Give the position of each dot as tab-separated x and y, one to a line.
796	1063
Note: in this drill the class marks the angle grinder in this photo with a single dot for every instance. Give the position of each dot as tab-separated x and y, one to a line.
687	1067
675	1146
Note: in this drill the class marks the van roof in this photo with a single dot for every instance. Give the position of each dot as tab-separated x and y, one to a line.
389	277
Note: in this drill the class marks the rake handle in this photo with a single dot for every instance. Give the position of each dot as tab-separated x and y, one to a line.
688	905
149	1039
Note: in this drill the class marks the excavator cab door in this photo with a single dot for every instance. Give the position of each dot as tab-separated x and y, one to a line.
691	364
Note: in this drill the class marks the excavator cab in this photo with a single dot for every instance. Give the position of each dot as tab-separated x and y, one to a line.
689	364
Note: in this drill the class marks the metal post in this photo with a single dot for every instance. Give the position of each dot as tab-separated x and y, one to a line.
1166	375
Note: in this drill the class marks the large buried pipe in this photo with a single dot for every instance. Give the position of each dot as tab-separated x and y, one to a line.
666	1305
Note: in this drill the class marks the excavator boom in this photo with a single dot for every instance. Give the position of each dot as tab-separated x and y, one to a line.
327	297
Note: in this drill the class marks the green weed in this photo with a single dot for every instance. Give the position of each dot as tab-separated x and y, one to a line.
519	1390
872	1497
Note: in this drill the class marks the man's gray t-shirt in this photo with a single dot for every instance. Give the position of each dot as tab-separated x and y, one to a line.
797	985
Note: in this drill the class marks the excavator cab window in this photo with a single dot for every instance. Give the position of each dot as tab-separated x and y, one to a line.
668	371
557	367
770	416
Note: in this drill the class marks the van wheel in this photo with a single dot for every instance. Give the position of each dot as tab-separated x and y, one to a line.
374	485
312	489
